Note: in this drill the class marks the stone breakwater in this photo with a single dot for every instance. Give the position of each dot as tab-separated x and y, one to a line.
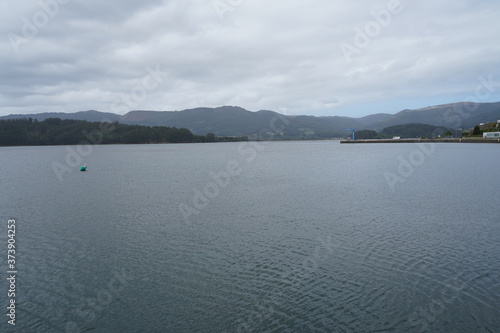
452	140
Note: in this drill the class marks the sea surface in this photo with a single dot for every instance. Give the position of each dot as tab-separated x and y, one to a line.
310	236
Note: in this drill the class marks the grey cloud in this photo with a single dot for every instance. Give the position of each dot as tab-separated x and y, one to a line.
259	55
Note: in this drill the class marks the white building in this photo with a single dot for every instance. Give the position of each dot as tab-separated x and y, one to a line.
490	135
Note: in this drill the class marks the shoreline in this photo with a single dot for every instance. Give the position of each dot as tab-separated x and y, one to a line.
445	140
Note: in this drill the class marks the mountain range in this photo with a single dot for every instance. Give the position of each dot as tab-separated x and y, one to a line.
236	121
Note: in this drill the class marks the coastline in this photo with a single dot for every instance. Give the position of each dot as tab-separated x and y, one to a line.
444	140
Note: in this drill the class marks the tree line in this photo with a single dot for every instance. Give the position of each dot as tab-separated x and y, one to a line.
55	131
411	130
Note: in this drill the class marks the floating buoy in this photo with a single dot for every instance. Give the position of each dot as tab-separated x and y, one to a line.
83	168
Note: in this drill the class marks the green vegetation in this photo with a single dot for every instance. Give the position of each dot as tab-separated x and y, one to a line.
417	130
413	130
405	131
489	127
366	134
481	128
477	131
55	131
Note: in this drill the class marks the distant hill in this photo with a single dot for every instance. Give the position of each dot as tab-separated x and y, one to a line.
222	121
455	115
91	115
414	130
236	121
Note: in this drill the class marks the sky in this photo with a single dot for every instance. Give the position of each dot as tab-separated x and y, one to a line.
311	57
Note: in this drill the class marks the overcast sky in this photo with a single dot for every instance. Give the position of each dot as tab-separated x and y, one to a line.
315	57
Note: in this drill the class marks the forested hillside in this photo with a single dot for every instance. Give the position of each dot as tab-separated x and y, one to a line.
55	131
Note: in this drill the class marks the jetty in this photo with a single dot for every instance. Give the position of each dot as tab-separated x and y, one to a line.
417	140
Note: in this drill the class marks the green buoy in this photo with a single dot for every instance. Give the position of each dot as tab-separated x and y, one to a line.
84	168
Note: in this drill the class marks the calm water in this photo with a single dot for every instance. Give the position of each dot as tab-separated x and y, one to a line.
276	237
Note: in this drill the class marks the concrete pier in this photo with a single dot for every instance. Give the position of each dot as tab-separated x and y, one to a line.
450	140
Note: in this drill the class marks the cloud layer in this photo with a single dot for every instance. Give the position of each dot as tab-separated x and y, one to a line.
321	57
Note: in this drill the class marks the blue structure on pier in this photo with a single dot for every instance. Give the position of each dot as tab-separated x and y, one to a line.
352	130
